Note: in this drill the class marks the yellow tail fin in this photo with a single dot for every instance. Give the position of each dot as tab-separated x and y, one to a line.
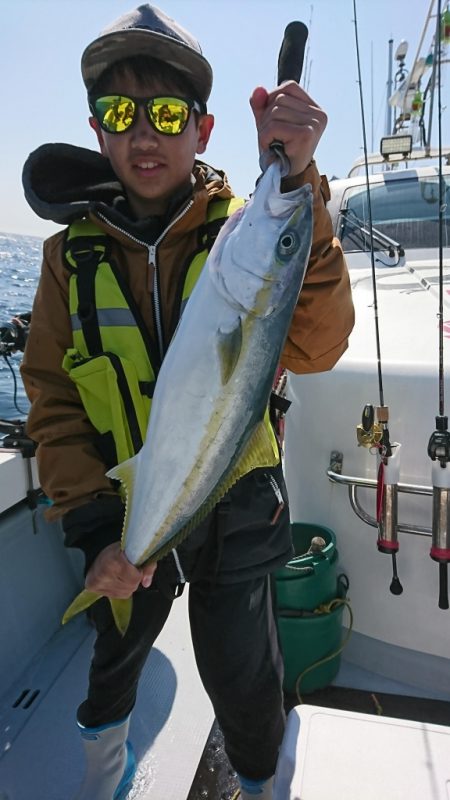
121	609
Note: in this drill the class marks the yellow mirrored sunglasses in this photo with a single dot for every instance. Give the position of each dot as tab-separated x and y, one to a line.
116	113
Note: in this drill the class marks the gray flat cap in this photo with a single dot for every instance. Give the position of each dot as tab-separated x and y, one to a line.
148	31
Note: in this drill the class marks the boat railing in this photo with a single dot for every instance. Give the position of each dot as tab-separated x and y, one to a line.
354	483
419	154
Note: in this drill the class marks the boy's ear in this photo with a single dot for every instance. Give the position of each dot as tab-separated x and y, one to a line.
99	133
205	126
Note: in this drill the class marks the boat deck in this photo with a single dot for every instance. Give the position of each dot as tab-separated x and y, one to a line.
178	745
170	724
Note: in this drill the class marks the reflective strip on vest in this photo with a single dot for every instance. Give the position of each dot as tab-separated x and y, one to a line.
119	317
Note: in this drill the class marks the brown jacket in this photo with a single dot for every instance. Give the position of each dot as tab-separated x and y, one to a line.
70	468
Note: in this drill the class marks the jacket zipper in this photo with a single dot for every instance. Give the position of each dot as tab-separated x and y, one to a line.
151	248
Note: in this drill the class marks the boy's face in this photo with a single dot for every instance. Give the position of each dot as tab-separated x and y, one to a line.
152	166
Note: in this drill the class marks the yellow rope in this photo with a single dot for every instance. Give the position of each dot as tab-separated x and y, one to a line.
326	608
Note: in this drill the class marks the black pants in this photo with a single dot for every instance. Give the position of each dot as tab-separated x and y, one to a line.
233	633
238	659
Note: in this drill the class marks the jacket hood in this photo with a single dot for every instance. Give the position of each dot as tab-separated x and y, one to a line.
63	182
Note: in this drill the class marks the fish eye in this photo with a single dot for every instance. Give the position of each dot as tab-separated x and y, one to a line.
288	243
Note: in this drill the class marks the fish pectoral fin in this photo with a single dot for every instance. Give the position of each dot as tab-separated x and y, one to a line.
229	345
126	474
121	611
81	603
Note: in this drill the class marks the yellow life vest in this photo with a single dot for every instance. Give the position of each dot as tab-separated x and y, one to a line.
113	361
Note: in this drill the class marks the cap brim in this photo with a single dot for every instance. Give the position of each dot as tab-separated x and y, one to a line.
112	47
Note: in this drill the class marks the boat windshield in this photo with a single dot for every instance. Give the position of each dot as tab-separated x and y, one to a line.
405	212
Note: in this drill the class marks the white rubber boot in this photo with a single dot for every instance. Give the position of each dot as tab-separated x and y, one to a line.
110	762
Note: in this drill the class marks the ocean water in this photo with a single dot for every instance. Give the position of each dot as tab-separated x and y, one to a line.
20	264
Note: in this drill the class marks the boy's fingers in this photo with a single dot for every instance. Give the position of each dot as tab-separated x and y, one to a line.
258	102
147	574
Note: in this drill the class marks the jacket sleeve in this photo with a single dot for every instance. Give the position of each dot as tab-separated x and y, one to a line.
71	471
324	316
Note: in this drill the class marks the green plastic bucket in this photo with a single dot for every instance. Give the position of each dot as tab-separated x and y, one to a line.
307	581
307	635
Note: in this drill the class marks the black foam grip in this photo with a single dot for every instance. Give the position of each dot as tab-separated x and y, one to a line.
292	52
443	586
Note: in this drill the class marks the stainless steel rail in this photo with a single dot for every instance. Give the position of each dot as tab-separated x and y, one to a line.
354	483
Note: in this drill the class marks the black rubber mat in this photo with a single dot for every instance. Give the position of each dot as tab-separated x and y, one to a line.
216	780
420	709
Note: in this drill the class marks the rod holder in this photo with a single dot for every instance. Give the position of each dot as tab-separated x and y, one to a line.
387	524
440	532
387	516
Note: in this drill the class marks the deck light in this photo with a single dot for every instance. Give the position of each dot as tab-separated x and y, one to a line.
395	145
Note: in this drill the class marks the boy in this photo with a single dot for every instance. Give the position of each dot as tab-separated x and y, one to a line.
114	282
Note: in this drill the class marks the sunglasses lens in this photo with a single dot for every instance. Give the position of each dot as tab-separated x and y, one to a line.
115	113
169	115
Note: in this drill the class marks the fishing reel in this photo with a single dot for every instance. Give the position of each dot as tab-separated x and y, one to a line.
374	434
369	432
13	335
439	442
7	339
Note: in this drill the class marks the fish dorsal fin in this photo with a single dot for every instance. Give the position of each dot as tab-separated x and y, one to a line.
126	474
258	452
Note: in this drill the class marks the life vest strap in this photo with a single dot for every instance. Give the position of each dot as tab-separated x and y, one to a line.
147	388
87	312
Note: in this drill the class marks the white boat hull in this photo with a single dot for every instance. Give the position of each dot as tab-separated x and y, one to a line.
325	410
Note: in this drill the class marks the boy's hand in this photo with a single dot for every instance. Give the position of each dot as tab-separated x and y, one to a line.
288	115
112	575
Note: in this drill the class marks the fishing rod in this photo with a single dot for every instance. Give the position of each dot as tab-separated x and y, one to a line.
439	443
292	52
290	67
371	432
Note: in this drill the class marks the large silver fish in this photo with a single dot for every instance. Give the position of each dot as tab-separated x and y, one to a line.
206	426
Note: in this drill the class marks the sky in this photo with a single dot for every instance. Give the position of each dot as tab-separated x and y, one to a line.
41	42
